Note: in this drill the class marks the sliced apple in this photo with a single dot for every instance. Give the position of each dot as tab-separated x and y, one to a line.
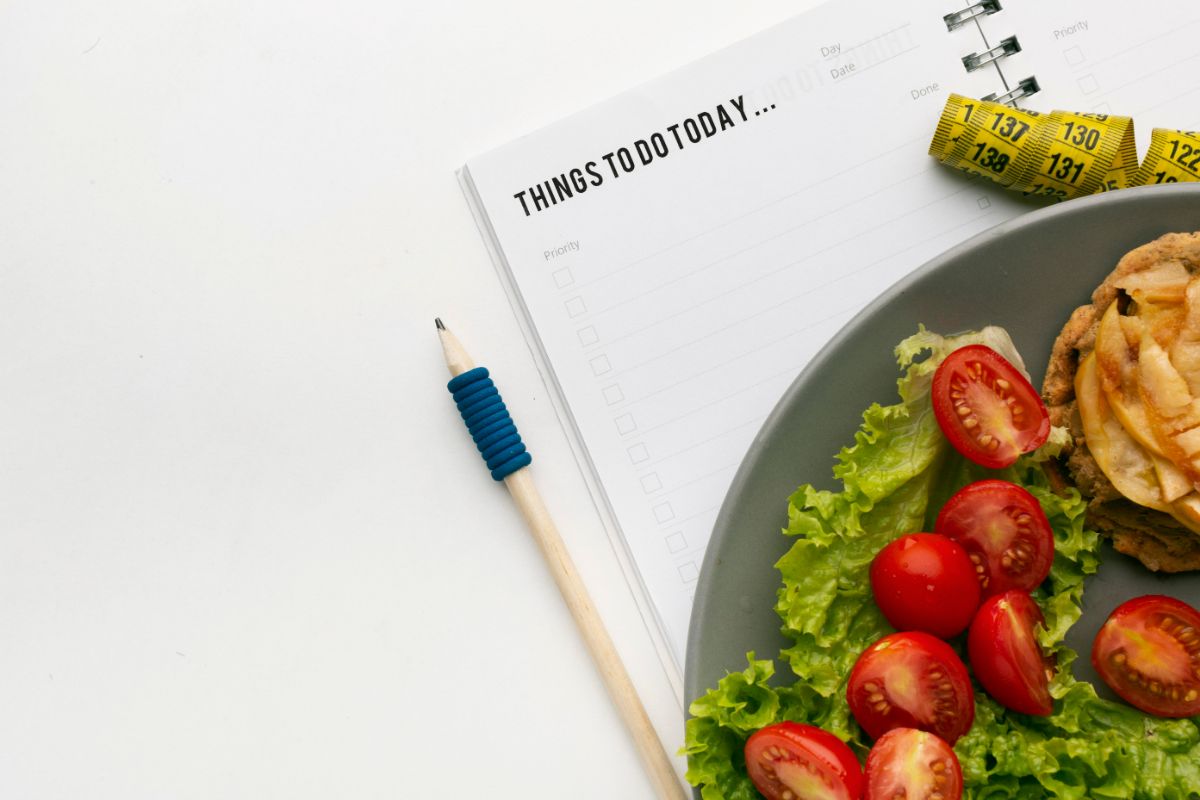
1187	511
1185	351
1173	482
1114	358
1133	327
1186	358
1165	283
1122	460
1160	384
1170	408
1164	323
1189	441
1116	369
1138	392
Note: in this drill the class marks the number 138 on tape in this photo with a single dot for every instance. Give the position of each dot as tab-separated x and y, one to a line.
1059	155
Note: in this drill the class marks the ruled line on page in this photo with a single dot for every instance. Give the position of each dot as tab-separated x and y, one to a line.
712	510
767	240
719	435
870	67
868	41
691	554
1148	75
1169	100
736	323
662	320
760	311
693	481
740	356
1140	45
793	370
740	217
613	306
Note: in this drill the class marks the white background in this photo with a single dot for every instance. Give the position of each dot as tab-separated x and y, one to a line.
246	546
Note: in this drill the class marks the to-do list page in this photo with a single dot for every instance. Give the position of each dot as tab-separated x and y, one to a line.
681	251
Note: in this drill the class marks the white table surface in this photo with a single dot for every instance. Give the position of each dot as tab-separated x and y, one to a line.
246	546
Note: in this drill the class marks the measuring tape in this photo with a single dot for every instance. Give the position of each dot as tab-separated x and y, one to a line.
1059	155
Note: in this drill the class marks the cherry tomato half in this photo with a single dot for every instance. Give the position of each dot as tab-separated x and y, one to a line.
1148	652
911	680
986	408
1004	531
1006	656
906	762
925	582
790	761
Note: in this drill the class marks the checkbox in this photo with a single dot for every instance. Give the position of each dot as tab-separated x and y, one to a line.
1102	108
575	306
688	572
676	543
613	394
1073	55
563	277
638	453
600	365
1087	84
625	423
664	513
651	483
588	335
984	202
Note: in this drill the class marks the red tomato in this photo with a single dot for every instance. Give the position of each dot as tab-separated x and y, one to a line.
1005	533
1149	653
1006	656
790	761
911	680
986	408
925	582
906	762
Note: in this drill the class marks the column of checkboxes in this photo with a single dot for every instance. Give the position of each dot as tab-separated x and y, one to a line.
599	363
576	307
638	452
1087	83
563	277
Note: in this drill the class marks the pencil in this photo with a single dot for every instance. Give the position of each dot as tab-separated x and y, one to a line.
497	439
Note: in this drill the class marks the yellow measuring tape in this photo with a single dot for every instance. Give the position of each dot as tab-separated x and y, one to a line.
1059	155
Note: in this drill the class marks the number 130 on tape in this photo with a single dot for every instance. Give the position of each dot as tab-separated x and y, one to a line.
1059	155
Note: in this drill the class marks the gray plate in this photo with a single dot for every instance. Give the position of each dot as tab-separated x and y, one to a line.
1027	275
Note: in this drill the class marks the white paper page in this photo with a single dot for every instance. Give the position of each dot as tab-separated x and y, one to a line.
674	303
1137	60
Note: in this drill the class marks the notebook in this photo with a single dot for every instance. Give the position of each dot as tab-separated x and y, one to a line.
678	253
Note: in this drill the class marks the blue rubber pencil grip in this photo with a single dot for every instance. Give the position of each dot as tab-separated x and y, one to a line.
489	422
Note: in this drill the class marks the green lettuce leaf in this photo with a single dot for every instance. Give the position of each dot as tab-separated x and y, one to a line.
895	476
724	718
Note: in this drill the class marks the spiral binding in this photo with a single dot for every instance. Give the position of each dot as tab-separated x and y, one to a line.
1026	87
981	9
1007	47
489	422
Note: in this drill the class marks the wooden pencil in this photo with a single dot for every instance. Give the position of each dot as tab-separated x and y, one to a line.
523	490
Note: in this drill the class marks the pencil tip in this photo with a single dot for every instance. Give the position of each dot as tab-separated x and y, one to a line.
438	322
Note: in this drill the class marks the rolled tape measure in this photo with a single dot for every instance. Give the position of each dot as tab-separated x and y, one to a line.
1059	155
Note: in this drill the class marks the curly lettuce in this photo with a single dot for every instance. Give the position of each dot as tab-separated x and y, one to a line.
894	478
